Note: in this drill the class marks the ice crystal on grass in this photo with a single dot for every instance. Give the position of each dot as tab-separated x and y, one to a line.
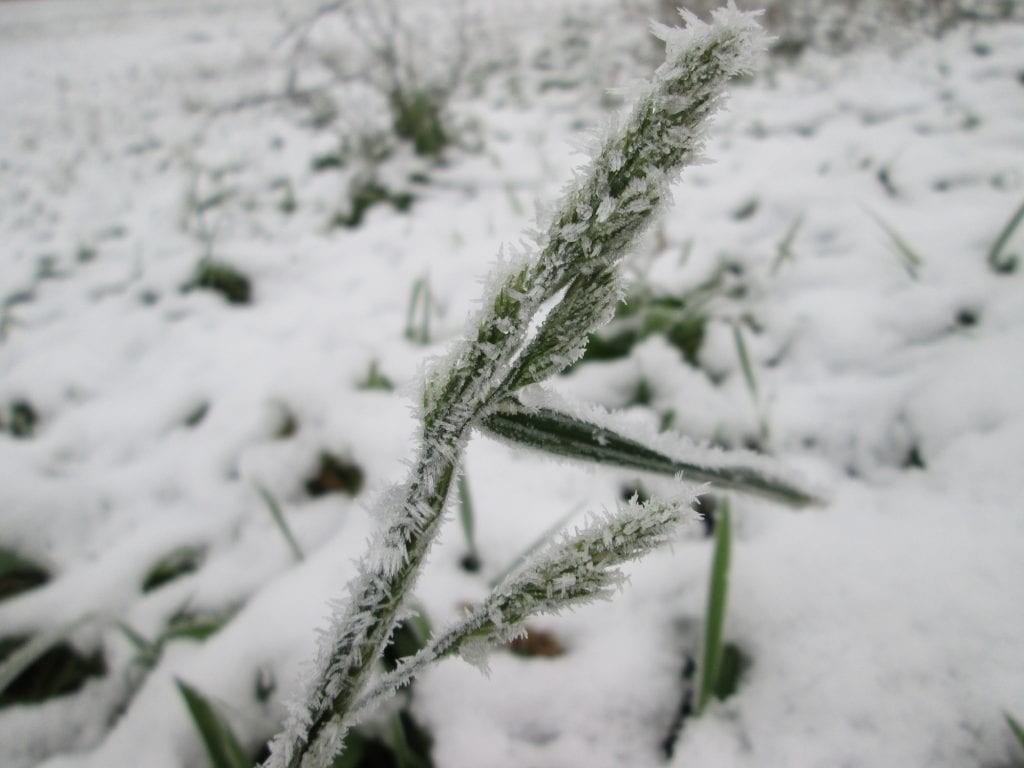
578	569
542	420
574	276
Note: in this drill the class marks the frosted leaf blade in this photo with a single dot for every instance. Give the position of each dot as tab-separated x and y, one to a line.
579	568
588	304
558	433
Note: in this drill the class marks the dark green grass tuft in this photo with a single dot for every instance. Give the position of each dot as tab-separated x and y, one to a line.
365	196
418	118
335	475
224	279
20	420
57	671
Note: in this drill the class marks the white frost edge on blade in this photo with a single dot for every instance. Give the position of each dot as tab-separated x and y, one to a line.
672	444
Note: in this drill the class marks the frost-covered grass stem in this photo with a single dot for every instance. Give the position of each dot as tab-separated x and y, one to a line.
576	267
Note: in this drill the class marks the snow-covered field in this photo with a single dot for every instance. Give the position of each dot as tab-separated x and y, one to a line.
883	627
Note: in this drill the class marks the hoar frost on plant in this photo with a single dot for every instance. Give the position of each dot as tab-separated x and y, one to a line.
576	267
578	569
749	471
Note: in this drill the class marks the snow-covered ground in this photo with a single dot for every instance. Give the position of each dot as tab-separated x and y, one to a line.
882	628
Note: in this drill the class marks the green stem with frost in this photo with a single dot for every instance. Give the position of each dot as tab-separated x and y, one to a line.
596	223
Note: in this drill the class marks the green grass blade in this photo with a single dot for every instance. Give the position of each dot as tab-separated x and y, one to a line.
749	377
198	628
410	312
714	619
221	744
278	516
744	356
141	644
466	518
995	255
174	565
912	261
419	299
148	652
1015	726
428	300
785	252
29	653
563	435
401	750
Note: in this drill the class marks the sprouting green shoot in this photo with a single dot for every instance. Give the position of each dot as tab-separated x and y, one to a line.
375	380
138	642
471	561
785	252
1016	727
912	261
282	525
221	744
744	356
748	375
1001	262
148	652
714	618
417	317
